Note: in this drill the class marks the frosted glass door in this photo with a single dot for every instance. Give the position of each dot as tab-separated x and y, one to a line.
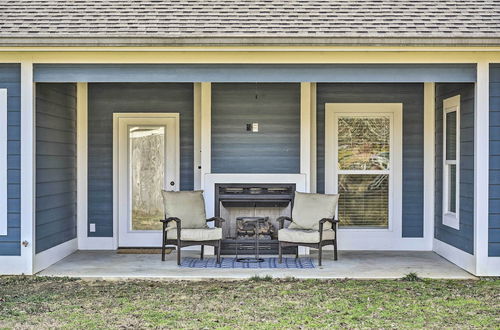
147	162
147	169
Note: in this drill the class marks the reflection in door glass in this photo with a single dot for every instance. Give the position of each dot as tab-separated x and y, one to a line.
147	164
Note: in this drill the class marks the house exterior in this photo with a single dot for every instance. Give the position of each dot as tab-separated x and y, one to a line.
394	105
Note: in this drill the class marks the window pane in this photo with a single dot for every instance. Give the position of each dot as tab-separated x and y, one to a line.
451	135
452	186
364	200
363	143
147	145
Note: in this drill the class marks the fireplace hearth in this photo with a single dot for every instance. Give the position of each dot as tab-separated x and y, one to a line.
234	201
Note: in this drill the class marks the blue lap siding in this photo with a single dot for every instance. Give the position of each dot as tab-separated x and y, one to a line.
412	96
10	78
463	238
275	148
106	99
55	165
494	186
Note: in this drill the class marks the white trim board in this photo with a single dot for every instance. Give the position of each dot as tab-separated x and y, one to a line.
51	256
3	162
429	160
458	257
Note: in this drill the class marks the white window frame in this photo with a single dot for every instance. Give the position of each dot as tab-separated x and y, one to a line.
451	219
395	112
3	162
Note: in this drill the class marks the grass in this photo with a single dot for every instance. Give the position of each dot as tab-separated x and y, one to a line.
262	303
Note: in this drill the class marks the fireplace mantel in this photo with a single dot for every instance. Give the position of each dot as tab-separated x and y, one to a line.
211	179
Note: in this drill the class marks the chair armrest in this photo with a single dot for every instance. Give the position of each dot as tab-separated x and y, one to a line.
169	219
218	221
281	221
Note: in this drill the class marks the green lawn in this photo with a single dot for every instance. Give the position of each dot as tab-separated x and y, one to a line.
37	302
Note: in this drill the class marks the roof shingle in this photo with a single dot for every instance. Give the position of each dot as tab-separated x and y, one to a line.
250	18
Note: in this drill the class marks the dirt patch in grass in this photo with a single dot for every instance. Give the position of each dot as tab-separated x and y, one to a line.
38	302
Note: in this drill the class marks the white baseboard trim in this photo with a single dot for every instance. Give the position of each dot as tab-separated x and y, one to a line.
12	265
492	267
51	256
96	243
458	257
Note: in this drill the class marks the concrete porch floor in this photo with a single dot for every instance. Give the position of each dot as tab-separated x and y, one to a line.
351	264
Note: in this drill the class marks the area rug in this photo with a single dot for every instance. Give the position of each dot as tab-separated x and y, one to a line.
300	263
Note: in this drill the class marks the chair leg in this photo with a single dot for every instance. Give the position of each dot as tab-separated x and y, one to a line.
280	254
335	249
178	252
320	254
163	247
202	250
218	251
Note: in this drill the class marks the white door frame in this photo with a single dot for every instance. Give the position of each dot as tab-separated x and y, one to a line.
120	196
371	239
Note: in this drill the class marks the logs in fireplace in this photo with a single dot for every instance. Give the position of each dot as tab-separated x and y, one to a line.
251	200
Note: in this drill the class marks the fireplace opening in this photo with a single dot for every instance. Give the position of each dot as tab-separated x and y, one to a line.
270	201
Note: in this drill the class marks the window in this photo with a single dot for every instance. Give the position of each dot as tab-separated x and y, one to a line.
363	163
451	161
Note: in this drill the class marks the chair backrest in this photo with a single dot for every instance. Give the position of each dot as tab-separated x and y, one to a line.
309	209
189	206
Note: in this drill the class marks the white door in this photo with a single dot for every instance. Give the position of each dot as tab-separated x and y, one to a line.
363	163
146	161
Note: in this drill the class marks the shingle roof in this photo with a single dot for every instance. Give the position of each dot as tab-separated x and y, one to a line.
253	19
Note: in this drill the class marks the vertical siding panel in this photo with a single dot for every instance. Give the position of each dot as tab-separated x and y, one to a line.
494	163
55	164
108	98
412	97
10	78
275	148
462	239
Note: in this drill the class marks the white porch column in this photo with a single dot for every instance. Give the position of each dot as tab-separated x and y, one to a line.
82	164
481	168
197	136
308	134
429	162
206	129
27	167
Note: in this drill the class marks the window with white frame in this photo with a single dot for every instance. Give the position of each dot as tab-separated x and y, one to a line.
451	161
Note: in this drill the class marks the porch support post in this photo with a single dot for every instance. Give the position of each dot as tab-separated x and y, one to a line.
307	137
429	162
481	168
197	136
206	129
82	161
27	167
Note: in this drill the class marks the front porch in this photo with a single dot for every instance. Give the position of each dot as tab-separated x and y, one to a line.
351	264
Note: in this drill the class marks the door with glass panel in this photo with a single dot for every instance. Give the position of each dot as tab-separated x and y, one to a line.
363	163
146	161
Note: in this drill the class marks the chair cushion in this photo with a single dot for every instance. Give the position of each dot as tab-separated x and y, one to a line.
189	206
309	209
304	235
206	234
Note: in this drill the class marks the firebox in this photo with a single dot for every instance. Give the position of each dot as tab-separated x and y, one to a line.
252	200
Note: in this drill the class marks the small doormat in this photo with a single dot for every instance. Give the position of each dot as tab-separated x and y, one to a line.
142	251
300	263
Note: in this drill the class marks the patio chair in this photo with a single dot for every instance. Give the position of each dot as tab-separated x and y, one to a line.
185	223
313	224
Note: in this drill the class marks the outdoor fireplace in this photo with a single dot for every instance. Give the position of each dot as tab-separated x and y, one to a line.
234	201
